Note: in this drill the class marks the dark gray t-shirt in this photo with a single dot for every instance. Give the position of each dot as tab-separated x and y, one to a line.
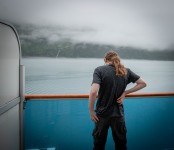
111	88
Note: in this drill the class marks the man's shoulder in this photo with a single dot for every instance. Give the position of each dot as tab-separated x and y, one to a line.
100	68
129	71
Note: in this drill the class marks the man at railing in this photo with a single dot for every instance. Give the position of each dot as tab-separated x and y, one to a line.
110	82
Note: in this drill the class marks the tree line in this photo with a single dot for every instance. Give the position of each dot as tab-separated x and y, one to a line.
41	47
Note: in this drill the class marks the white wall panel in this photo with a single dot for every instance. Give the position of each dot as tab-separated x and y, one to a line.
9	129
9	65
9	89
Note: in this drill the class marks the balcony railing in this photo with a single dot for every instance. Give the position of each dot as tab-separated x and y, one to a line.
61	122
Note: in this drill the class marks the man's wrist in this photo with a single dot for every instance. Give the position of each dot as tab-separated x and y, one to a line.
126	92
91	111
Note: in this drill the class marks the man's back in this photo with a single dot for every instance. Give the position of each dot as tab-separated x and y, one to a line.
111	88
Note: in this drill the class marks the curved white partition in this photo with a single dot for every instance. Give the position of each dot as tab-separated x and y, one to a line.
9	88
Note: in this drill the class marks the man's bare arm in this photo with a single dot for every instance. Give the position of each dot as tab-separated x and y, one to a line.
139	85
92	98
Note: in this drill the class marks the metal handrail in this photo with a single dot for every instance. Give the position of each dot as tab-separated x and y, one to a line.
86	96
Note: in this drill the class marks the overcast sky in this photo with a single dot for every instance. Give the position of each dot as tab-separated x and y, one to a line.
139	23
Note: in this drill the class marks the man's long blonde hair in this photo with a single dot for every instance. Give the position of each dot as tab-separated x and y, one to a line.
113	57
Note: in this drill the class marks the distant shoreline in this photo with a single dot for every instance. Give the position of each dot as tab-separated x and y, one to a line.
89	58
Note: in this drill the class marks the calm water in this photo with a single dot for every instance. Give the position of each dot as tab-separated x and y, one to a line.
64	75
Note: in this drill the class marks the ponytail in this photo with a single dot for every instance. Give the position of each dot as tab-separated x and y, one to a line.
115	59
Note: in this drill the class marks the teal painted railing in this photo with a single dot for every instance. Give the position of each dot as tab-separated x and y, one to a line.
62	122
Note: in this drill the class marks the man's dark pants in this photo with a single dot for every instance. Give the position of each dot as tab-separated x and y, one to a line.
100	132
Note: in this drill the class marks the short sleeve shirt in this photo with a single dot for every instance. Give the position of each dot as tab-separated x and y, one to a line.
111	88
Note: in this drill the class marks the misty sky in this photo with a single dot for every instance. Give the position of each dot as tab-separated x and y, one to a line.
139	23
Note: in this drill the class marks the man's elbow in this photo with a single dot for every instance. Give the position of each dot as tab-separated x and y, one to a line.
93	92
94	89
144	84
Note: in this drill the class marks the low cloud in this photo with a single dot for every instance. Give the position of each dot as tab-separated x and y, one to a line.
124	23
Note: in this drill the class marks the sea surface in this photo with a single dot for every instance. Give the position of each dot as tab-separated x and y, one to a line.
74	75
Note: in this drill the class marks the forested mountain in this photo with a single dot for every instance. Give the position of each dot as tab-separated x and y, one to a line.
40	46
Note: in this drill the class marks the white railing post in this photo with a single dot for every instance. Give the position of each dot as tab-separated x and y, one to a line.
22	99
